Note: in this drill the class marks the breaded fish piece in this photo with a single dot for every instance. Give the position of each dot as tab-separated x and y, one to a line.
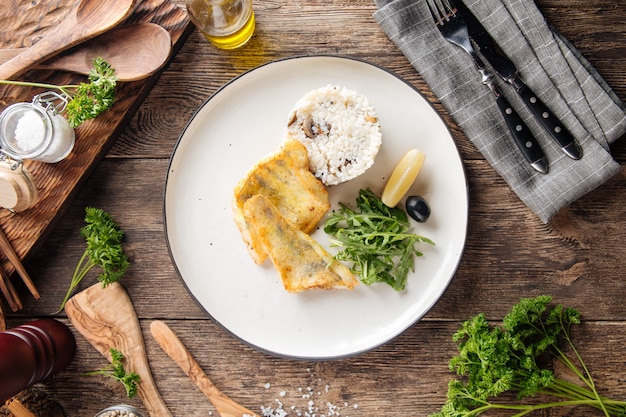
303	263
285	180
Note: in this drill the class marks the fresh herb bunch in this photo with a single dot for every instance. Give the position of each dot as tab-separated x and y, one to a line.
497	360
104	249
85	100
376	239
117	371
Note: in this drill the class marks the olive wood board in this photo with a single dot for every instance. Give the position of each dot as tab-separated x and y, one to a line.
24	23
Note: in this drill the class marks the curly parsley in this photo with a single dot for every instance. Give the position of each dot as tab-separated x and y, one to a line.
117	371
511	358
86	100
104	249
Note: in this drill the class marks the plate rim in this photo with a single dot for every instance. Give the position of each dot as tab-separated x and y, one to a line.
270	352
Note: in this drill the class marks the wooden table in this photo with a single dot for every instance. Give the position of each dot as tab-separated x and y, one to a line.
579	257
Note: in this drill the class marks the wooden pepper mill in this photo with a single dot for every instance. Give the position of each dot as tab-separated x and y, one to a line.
31	353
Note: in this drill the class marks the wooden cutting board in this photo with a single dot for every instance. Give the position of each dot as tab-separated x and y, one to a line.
23	23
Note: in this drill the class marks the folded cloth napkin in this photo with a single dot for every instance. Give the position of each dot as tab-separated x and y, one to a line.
549	65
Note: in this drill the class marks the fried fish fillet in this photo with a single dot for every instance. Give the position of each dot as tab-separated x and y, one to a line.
285	180
303	263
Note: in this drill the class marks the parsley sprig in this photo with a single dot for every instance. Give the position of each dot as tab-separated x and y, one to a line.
117	371
376	239
496	360
85	100
104	249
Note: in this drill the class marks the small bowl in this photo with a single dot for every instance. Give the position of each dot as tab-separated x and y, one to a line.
109	411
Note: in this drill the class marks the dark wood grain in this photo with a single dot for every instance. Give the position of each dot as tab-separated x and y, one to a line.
578	258
58	183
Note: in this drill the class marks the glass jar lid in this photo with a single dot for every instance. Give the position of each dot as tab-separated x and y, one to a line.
119	410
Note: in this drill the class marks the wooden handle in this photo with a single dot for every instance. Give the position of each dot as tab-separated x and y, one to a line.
107	319
91	18
56	41
15	260
176	350
135	51
8	290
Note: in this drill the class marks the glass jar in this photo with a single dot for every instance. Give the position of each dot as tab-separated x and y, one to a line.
120	410
37	130
227	24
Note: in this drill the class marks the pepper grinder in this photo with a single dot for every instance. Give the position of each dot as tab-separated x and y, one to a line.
33	352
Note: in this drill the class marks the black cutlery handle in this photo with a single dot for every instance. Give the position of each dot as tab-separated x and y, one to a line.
559	133
524	139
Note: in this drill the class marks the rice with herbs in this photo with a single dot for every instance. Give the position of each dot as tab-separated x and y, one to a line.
340	130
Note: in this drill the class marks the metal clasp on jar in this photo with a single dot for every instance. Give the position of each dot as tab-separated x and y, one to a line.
47	100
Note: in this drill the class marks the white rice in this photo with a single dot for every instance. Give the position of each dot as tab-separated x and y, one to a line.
340	130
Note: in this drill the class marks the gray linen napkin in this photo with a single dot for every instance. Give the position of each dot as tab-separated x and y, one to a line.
551	67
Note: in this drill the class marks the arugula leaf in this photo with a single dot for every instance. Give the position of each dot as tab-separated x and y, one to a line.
376	239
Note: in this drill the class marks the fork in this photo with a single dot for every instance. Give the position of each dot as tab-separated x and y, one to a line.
454	29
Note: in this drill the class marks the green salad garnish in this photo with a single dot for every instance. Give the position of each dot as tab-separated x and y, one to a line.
376	239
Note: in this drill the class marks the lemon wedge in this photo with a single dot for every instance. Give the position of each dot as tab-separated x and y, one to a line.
402	177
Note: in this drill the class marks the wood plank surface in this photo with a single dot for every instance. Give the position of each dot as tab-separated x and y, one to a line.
24	23
578	258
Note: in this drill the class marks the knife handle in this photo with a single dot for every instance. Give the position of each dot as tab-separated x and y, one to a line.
555	128
523	137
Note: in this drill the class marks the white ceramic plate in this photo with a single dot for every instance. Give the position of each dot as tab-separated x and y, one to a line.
244	121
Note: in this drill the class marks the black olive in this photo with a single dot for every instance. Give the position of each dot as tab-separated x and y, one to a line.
417	207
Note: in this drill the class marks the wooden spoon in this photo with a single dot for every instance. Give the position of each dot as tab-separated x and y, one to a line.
135	51
89	19
107	319
172	345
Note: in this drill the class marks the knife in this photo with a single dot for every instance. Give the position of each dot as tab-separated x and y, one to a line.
505	68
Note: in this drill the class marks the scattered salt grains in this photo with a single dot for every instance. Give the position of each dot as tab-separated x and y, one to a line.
310	408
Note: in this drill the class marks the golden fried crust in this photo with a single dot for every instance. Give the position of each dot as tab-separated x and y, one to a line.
285	180
303	263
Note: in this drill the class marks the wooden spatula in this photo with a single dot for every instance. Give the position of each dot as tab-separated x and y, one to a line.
107	319
172	345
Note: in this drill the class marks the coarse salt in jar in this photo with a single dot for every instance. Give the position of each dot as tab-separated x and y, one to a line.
37	130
